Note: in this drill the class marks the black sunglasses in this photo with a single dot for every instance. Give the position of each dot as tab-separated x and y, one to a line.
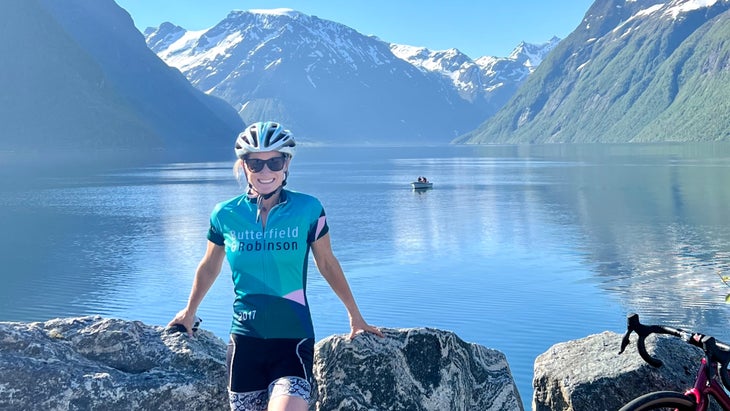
255	165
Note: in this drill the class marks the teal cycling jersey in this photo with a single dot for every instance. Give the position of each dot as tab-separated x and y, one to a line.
269	264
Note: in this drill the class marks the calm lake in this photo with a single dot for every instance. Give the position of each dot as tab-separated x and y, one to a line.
516	248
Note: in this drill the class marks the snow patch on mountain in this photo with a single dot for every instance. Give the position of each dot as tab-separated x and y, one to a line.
182	55
638	15
677	8
162	37
671	9
275	12
531	55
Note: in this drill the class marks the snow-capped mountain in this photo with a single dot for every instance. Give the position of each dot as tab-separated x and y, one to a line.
633	70
492	78
329	83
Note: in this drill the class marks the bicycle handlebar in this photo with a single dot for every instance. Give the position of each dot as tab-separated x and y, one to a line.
716	351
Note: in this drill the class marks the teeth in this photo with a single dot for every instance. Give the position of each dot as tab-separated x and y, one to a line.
266	181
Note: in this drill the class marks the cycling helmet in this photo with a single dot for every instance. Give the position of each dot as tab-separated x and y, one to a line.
265	136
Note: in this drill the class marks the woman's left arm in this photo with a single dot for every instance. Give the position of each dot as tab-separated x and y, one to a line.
331	270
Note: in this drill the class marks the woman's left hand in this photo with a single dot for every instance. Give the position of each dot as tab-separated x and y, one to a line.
360	326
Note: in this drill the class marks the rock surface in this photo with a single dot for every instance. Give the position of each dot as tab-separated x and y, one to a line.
412	369
589	374
92	363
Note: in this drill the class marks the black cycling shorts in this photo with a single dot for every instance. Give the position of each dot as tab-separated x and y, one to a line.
253	363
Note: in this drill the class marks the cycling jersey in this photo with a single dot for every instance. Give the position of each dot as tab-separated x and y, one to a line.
269	264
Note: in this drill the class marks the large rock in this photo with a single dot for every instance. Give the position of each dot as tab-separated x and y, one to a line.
92	363
589	374
412	369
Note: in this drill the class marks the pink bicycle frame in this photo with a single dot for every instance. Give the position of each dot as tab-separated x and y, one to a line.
705	387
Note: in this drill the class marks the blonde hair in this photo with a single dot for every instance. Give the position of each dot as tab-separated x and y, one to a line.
239	172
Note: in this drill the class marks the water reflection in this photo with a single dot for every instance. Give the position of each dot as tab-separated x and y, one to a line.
658	231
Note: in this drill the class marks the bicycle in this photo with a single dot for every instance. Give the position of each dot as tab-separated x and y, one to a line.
697	398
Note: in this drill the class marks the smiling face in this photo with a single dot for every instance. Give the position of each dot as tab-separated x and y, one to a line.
265	181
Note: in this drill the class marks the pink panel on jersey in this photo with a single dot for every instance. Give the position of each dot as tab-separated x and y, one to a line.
320	225
296	296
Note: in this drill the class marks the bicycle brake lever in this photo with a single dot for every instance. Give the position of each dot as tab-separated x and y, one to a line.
625	342
631	321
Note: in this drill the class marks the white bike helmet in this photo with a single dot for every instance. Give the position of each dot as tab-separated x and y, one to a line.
265	136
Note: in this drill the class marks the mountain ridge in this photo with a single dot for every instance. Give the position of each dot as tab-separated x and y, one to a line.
329	83
83	84
617	77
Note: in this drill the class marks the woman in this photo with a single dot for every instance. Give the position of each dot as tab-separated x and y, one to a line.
266	235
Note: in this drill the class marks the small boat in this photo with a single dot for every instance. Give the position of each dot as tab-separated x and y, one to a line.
420	185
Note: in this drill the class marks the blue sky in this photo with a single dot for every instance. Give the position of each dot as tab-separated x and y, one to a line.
476	27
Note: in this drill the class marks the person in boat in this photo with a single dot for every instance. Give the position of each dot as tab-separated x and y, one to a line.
266	234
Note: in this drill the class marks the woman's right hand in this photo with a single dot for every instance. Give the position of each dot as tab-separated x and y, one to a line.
185	318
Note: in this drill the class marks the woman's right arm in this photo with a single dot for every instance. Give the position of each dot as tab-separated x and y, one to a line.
205	275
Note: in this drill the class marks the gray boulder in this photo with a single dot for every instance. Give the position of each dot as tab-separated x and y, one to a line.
411	369
589	374
92	363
